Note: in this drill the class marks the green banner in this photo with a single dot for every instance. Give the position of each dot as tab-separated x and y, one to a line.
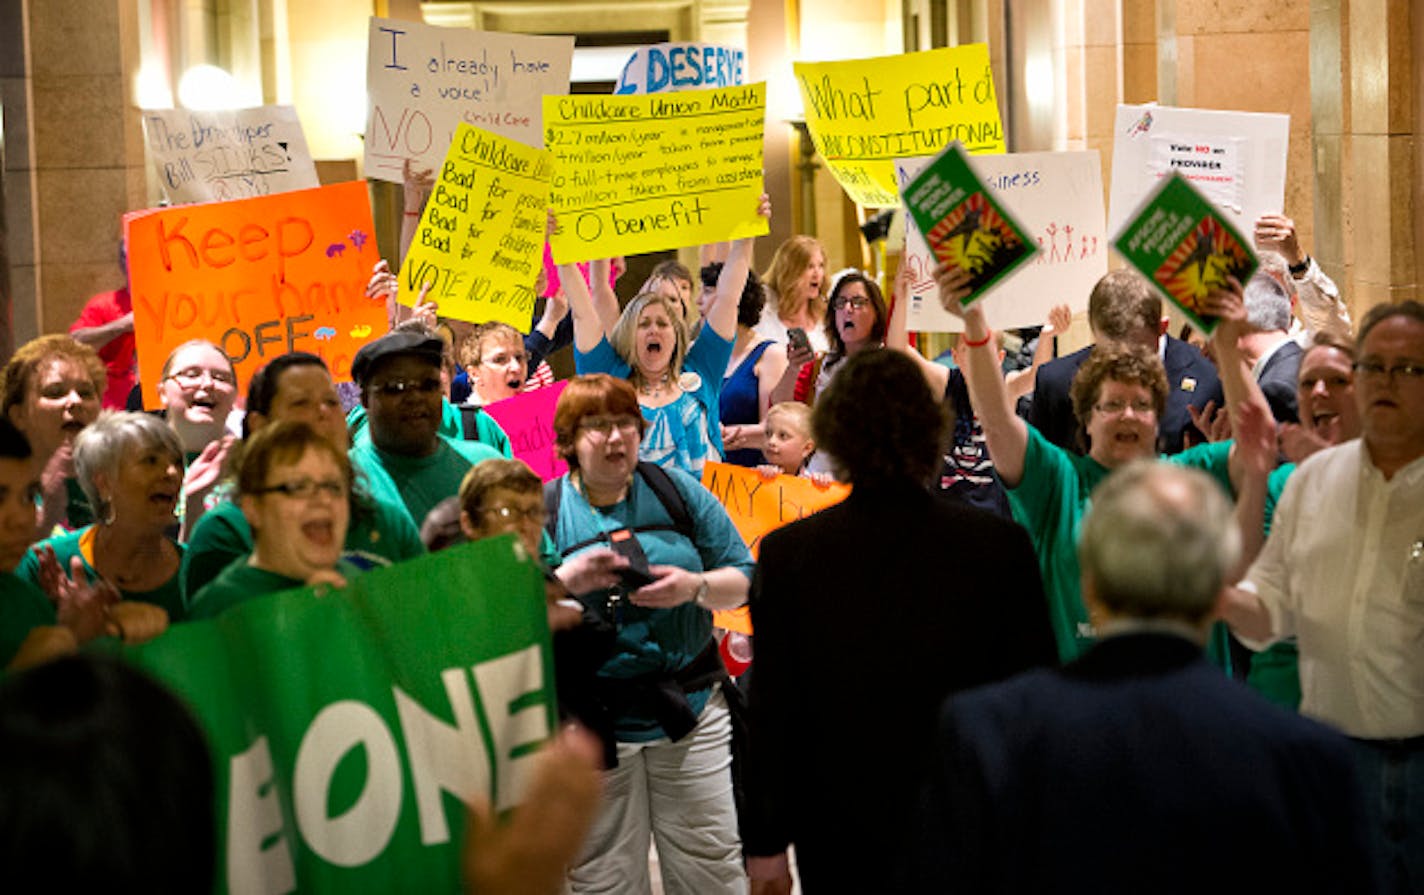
349	725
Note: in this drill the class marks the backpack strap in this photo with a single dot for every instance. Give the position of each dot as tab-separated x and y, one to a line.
470	421
663	488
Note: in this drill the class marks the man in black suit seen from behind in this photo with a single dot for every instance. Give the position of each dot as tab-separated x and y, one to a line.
1268	347
1139	767
1123	308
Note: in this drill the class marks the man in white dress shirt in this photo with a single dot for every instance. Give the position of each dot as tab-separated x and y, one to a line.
1343	571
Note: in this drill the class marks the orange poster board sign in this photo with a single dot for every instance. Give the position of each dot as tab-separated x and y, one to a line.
257	277
758	506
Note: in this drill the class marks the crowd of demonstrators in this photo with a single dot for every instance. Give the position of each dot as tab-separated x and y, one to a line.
1089	555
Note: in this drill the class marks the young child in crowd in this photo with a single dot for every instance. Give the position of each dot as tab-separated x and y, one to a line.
789	444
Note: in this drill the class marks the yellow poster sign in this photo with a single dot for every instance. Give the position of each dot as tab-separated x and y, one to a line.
639	174
865	113
481	237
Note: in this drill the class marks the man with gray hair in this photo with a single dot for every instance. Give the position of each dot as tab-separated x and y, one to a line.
1268	347
1141	747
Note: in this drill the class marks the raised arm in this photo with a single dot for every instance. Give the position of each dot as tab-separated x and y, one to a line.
1321	309
722	316
897	334
1004	432
1021	382
605	300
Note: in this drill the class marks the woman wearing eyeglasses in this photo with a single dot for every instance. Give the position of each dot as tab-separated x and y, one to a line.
197	391
1118	395
667	722
293	486
131	467
678	382
857	320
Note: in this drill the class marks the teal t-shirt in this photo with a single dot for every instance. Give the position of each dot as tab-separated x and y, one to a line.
1050	503
240	583
23	607
419	483
381	532
169	594
654	641
452	426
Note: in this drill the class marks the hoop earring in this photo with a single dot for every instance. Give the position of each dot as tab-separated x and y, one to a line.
105	512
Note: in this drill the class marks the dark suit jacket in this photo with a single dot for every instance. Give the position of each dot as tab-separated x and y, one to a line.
1278	382
1139	768
867	615
1191	379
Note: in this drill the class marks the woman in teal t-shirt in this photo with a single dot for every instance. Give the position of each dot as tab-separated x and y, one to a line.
293	486
130	466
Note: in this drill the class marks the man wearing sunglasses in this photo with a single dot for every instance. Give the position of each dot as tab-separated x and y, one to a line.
407	461
1343	571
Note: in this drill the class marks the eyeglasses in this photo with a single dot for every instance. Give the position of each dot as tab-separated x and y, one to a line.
1116	408
499	360
855	301
603	426
394	388
194	376
306	489
1374	369
535	515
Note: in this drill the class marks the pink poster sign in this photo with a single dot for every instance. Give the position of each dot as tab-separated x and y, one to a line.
528	420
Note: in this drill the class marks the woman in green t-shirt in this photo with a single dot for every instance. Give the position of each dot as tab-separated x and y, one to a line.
130	466
293	486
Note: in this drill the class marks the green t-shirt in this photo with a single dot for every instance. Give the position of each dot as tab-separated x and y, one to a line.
452	426
23	607
419	483
1275	670
380	531
169	594
1050	502
240	582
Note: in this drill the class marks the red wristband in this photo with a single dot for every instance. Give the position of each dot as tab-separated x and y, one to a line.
979	344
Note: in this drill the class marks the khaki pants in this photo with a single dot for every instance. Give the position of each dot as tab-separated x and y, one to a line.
680	794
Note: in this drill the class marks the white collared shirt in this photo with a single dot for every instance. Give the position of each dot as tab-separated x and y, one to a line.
1269	353
1343	571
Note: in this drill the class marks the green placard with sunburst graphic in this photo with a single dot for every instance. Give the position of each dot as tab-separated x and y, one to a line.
965	224
1185	247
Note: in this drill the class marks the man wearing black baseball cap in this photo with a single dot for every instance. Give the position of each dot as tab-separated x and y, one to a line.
407	461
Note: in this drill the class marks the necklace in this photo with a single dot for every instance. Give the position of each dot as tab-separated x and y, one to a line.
656	389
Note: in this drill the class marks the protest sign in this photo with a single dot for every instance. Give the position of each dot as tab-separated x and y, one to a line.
230	154
964	224
1185	246
1058	198
422	80
1236	159
481	237
348	726
758	506
637	174
528	420
865	113
668	67
256	277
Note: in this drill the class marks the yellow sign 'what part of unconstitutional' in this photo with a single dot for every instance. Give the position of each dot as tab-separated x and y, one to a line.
637	174
480	242
865	113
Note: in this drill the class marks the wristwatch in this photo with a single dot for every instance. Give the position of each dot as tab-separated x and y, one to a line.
702	589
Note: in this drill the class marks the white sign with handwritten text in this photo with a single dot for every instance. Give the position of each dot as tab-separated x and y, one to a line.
1058	197
229	154
422	81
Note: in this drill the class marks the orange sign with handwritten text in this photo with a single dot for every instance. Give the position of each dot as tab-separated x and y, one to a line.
257	277
758	506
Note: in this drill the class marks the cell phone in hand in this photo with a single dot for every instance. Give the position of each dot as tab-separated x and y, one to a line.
636	574
796	338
